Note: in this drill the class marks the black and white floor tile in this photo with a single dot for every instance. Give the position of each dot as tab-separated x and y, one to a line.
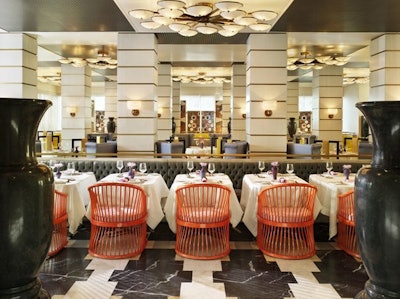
159	273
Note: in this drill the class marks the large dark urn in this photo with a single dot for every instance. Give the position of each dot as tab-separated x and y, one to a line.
377	202
26	200
111	125
292	127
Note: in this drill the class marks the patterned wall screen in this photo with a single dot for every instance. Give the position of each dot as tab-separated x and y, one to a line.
305	122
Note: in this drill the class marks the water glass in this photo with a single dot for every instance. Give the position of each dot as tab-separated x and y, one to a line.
211	168
70	167
261	166
120	165
289	168
190	166
329	166
142	167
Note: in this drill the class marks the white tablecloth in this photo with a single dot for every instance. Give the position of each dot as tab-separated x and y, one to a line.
251	186
155	188
76	186
182	179
329	187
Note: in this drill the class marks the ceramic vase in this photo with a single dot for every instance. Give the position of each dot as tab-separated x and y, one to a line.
377	202
203	171
26	200
111	125
131	172
292	127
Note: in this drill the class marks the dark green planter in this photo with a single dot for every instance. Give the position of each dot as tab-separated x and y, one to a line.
26	200
377	203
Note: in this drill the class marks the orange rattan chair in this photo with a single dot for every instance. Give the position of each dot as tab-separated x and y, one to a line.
202	221
285	221
59	237
346	233
118	220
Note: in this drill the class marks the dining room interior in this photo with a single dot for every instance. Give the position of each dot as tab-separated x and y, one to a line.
243	97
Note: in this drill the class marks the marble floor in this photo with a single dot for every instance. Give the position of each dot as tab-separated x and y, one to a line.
159	273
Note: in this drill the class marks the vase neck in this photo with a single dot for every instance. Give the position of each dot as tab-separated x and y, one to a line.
384	121
20	119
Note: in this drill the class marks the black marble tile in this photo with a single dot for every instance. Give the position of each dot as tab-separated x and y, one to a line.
346	274
58	273
249	276
155	275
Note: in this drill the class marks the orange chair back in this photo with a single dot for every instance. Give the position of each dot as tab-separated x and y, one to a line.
59	236
202	221
118	221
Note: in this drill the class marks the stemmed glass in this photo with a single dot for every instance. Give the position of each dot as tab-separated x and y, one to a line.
211	168
289	168
70	167
52	165
142	167
190	167
261	166
120	165
329	166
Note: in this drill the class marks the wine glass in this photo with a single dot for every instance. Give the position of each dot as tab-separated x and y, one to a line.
289	168
329	166
190	167
70	167
261	166
211	168
142	167
52	165
120	165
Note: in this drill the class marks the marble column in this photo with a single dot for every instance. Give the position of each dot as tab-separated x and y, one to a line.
110	88
164	91
18	65
293	100
327	101
176	105
77	107
226	105
266	79
137	89
238	101
385	68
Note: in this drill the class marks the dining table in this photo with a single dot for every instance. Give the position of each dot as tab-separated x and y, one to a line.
330	185
193	178
75	184
155	188
253	184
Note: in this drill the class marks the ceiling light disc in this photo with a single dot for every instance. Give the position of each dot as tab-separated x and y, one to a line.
245	21
260	27
228	5
206	29
150	25
171	4
199	10
230	15
178	27
170	13
162	20
264	15
141	14
188	33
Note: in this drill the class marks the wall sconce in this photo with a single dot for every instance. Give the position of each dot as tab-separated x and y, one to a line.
72	111
244	115
332	112
158	114
269	106
134	106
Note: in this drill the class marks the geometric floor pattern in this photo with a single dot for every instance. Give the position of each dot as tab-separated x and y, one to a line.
159	273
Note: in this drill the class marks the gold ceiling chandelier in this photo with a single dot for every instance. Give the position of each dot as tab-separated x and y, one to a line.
307	62
102	61
201	78
225	17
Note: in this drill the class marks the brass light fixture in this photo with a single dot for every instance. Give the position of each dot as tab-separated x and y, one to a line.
307	61
72	111
225	17
332	112
201	78
268	107
102	61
